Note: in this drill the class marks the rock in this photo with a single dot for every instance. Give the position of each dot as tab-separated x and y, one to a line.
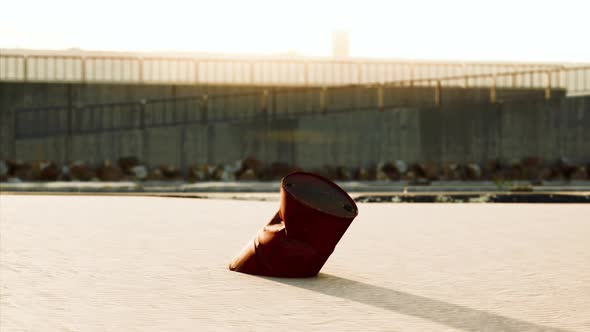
493	170
580	173
218	174
410	176
362	174
380	174
515	170
561	169
198	173
234	167
248	175
545	173
344	174
450	171
155	175
45	171
79	171
65	173
566	168
250	169
426	170
401	166
224	173
20	169
473	172
392	172
430	170
228	172
126	164
139	172
169	172
253	164
531	167
109	172
3	171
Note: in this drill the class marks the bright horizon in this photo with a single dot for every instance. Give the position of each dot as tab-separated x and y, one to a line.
431	30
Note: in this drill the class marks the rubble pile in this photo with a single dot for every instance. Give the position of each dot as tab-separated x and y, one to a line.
532	169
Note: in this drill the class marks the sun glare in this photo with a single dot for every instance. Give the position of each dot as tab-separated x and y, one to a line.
476	30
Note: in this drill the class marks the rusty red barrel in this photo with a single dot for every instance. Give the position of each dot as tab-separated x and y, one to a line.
314	214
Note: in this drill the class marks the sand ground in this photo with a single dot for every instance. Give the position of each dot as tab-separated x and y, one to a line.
94	263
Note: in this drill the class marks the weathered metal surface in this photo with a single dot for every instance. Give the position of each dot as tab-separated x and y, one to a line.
314	214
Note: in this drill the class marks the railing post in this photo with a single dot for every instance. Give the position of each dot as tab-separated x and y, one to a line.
82	70
25	68
323	92
411	75
465	76
205	108
548	86
514	80
380	99
437	93
493	92
359	72
69	121
140	70
264	102
251	65
196	65
15	133
182	145
145	141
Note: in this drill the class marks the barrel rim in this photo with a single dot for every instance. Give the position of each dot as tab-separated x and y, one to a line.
329	182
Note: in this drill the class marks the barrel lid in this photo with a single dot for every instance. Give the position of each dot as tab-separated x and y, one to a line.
319	193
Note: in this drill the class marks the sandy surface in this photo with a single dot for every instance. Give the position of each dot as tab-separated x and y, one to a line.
160	264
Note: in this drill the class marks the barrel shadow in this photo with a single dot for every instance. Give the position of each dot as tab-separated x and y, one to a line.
453	315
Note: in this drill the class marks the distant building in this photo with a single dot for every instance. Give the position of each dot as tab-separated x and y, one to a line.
340	44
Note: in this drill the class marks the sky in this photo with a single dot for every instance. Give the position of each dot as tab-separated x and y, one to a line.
499	30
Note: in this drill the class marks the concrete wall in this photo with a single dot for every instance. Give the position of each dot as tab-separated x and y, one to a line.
462	133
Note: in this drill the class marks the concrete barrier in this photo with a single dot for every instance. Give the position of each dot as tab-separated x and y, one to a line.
352	132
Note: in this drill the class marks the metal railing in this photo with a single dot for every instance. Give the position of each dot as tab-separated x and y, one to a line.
89	67
292	102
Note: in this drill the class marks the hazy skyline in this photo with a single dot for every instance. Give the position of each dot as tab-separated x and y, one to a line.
460	30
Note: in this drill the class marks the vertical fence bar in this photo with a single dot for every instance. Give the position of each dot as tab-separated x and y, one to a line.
323	92
25	68
493	92
514	80
196	70
205	108
15	132
251	66
264	102
182	143
140	68
145	141
437	93
83	70
548	86
466	74
380	99
359	68
69	117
